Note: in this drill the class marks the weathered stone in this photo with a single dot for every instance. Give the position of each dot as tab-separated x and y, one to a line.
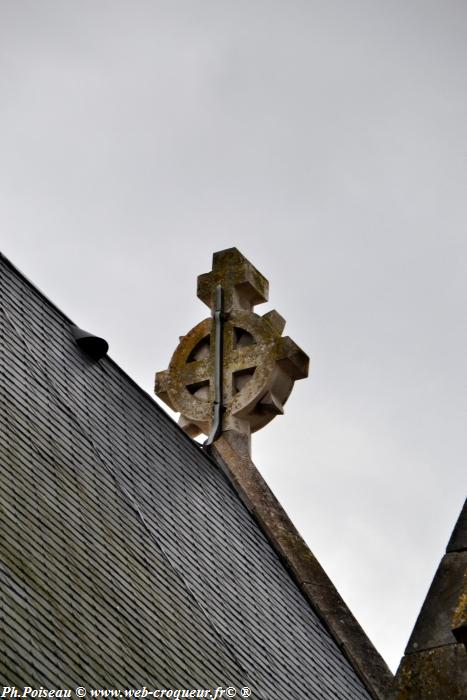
259	366
433	674
435	662
244	286
459	618
434	624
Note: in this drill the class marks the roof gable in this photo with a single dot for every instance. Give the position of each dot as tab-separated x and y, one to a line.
127	557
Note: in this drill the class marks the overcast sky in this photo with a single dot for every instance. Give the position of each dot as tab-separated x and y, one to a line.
328	142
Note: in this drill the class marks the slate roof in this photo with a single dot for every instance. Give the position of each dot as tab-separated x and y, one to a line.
127	559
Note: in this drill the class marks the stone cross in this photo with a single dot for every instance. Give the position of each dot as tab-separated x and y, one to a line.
233	369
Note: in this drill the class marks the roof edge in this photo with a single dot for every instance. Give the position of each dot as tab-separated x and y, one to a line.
108	358
232	455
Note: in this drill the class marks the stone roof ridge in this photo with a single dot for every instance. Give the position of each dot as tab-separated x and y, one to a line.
233	454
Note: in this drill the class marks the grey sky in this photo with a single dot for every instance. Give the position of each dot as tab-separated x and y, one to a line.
328	142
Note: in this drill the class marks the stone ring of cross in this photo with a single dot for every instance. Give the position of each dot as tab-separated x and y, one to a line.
259	366
255	380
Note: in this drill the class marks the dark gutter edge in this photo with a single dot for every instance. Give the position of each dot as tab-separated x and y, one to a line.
305	569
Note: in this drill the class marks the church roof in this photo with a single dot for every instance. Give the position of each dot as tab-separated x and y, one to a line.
127	557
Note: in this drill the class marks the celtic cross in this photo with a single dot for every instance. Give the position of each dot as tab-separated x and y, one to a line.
233	371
